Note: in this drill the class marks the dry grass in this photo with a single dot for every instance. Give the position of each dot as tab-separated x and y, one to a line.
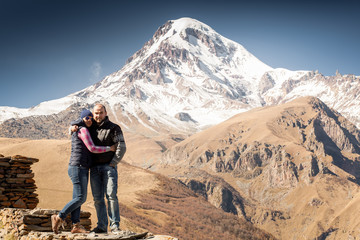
188	215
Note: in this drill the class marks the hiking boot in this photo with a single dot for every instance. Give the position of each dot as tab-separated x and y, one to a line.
78	228
98	230
56	221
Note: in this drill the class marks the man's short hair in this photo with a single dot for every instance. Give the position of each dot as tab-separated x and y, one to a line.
102	105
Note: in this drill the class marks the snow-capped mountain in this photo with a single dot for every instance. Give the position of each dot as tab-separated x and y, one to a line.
188	77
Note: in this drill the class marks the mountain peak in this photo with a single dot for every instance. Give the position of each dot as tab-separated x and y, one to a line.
188	69
184	23
180	25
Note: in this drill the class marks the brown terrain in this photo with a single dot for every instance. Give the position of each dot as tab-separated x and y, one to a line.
291	170
148	201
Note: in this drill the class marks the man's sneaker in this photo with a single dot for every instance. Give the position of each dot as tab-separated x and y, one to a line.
98	230
116	231
78	228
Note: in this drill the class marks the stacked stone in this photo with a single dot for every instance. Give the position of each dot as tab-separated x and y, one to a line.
17	186
20	222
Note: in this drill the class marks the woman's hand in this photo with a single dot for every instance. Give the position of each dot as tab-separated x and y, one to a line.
113	147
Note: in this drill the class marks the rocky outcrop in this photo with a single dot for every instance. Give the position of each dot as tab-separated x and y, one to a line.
266	83
216	191
184	117
216	46
17	184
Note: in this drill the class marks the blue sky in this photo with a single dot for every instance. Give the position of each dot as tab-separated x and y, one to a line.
52	48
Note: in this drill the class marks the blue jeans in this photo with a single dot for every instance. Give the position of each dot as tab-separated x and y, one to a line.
79	177
104	183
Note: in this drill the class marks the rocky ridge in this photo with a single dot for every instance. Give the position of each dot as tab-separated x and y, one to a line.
267	156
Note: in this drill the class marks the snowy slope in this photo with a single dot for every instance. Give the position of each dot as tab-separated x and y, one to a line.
187	77
44	108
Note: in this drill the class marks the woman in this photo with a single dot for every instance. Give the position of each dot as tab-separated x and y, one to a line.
82	147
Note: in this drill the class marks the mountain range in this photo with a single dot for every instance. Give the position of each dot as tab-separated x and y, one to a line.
186	78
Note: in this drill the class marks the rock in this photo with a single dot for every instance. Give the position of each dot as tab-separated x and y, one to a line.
17	183
185	117
19	204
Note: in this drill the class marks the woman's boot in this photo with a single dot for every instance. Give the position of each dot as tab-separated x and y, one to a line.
78	228
56	221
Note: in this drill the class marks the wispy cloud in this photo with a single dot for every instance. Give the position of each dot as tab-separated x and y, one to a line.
95	71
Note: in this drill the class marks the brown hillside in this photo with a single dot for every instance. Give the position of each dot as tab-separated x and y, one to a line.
148	201
53	184
293	169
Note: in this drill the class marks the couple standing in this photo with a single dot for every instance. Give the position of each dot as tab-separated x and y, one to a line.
101	159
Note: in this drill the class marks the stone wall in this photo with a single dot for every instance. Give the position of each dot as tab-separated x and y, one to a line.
20	222
17	186
35	224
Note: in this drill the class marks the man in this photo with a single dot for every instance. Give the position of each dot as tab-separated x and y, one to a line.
103	173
